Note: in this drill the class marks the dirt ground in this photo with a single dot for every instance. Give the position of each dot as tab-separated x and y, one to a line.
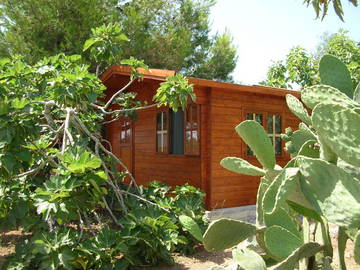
201	260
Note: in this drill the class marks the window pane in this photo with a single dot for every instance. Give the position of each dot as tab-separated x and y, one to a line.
270	123
194	116
277	124
122	136
278	147
158	121
159	143
249	116
177	132
164	120
259	118
165	143
188	141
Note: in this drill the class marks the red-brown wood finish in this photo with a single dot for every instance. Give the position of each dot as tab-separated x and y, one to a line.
222	107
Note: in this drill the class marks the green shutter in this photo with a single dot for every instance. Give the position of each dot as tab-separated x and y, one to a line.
177	132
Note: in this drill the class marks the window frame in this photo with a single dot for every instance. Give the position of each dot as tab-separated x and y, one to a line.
198	115
166	111
265	114
126	122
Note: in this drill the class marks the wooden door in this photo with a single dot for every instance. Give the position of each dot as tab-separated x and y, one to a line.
126	134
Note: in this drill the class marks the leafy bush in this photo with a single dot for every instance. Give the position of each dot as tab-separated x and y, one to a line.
58	179
319	185
149	234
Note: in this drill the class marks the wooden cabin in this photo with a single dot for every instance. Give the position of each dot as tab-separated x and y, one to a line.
187	146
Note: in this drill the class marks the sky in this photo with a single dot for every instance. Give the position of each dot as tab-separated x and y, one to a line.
266	30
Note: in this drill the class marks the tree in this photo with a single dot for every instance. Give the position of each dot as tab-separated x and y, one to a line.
300	67
57	176
344	48
164	33
41	28
219	62
323	6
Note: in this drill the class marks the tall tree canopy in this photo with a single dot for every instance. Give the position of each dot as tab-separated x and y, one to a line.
300	66
170	34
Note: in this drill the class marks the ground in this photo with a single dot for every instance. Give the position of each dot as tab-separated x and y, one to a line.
201	260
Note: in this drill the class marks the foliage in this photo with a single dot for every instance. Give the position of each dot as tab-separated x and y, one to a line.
174	92
148	235
300	67
36	29
59	181
164	34
323	6
320	185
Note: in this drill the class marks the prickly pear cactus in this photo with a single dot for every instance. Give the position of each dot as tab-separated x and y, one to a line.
320	185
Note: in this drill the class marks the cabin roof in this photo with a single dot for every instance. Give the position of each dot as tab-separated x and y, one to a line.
161	74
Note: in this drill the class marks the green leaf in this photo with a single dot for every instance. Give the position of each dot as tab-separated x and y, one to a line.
257	139
192	227
327	187
280	242
19	103
241	166
248	259
226	233
89	43
333	72
305	251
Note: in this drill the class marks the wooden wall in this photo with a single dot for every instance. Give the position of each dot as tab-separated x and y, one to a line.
227	110
147	164
221	110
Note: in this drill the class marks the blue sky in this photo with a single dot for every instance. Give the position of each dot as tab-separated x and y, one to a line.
265	30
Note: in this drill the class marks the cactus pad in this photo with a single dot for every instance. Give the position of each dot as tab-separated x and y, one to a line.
280	242
269	201
226	233
333	193
357	93
297	108
281	218
357	247
339	127
248	259
309	149
241	166
305	251
335	73
316	94
257	139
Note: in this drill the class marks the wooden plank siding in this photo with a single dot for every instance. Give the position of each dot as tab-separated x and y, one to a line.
228	109
148	165
222	107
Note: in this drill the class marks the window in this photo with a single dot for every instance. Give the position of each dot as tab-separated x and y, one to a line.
125	132
192	139
162	141
178	132
272	126
274	130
